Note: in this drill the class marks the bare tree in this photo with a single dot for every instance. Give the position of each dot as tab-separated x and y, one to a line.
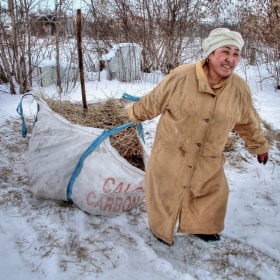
27	6
15	45
5	33
163	28
261	28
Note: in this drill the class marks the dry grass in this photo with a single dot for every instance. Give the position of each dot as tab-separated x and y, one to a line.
105	115
271	134
231	143
234	140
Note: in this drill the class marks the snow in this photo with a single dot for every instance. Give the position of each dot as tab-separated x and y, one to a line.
45	239
52	63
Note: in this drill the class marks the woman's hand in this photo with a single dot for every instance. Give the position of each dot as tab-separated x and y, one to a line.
263	158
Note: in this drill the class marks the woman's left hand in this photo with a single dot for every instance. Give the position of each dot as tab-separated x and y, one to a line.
263	158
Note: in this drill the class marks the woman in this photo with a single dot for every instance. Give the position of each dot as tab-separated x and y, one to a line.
200	104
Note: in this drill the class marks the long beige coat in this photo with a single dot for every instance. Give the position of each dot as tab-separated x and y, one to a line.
185	179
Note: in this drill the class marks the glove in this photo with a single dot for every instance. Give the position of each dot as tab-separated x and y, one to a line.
263	158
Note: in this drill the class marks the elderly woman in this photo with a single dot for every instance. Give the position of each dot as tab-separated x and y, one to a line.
200	104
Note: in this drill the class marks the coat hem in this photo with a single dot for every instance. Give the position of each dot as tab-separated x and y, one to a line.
211	231
163	238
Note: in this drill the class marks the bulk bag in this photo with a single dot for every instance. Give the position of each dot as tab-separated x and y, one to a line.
70	162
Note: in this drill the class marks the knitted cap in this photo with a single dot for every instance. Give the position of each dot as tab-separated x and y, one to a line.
220	37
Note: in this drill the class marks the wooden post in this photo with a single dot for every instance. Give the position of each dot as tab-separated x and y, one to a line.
80	57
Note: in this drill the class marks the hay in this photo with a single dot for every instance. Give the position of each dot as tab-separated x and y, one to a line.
105	115
271	134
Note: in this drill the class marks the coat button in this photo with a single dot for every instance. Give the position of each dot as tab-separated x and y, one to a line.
199	144
213	95
207	120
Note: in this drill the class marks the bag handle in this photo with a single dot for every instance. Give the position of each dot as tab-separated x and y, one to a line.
139	126
19	109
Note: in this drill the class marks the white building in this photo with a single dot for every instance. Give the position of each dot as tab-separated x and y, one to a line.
123	62
46	72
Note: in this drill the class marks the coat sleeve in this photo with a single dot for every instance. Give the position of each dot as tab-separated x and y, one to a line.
155	102
249	127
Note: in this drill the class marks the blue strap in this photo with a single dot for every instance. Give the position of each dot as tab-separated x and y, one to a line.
127	96
139	127
89	150
19	109
140	131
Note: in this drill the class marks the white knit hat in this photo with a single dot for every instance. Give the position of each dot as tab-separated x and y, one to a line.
220	37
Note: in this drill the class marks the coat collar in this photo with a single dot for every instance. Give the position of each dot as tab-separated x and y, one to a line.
203	81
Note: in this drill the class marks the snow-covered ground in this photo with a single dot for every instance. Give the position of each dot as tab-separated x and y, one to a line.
45	239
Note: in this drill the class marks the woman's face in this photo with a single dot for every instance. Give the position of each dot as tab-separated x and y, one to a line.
224	60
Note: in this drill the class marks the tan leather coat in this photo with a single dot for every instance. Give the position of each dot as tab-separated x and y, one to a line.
188	147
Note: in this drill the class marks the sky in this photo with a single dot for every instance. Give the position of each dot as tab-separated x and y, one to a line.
51	239
76	4
49	4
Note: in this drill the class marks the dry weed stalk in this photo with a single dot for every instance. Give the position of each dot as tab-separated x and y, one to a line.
105	115
271	134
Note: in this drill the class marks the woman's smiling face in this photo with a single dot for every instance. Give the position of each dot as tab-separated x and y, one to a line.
224	60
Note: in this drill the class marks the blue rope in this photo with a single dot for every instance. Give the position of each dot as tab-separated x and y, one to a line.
19	109
139	127
89	150
140	132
